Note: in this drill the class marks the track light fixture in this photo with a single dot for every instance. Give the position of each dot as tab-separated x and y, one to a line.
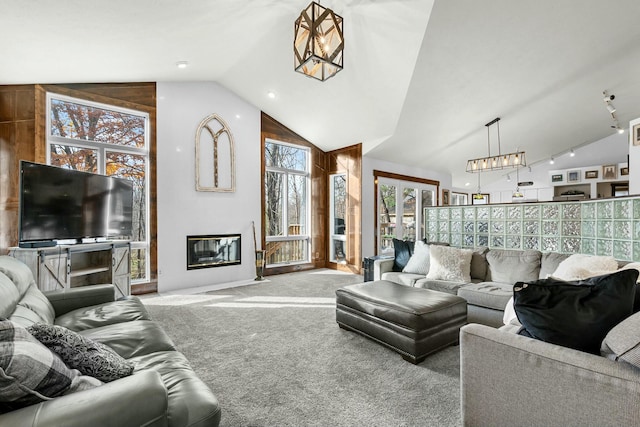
551	161
612	111
572	153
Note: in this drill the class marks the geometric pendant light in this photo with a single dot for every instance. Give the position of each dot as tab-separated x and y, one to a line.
318	42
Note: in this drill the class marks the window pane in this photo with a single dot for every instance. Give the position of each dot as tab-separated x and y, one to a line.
274	200
132	167
84	122
297	206
138	264
339	203
409	214
77	158
285	157
387	215
287	251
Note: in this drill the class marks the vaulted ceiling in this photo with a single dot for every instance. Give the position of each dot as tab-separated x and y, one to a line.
420	78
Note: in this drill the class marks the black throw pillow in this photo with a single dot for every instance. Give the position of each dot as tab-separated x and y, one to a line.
403	250
576	314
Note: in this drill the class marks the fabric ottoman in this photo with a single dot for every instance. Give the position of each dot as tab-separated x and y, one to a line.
412	321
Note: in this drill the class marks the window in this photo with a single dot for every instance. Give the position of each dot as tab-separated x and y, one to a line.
338	238
108	140
286	203
459	199
400	208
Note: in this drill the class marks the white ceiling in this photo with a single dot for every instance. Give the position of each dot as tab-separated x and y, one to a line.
420	78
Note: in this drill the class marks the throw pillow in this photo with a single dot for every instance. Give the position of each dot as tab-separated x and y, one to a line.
447	263
573	316
403	249
84	354
622	343
419	261
581	266
31	373
479	263
511	266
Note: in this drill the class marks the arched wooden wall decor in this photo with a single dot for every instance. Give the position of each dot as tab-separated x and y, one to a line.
215	156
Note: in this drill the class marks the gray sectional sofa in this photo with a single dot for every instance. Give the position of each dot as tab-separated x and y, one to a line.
493	273
162	390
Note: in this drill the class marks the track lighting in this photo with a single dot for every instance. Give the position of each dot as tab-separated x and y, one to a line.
572	153
508	178
551	161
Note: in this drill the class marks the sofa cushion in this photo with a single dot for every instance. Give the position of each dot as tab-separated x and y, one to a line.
34	300
18	272
549	263
123	310
439	285
581	266
575	314
419	261
190	401
447	263
131	339
492	295
402	249
30	372
407	279
9	296
622	343
511	266
78	352
479	264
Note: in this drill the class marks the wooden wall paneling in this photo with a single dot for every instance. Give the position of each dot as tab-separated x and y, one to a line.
349	160
17	106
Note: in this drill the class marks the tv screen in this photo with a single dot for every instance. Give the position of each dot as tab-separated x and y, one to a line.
64	204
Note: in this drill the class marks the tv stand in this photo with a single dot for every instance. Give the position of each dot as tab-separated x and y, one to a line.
80	264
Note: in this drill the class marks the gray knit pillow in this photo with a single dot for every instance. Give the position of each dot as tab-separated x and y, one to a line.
78	352
623	341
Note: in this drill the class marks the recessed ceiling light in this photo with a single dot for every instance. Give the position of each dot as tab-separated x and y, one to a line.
271	94
551	161
466	184
182	64
237	116
572	153
620	130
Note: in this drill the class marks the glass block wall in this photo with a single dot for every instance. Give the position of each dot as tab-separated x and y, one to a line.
598	227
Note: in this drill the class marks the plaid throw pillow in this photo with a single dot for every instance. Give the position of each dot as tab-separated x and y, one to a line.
84	354
29	372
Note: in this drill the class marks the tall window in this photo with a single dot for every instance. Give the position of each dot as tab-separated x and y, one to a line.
108	140
337	218
287	200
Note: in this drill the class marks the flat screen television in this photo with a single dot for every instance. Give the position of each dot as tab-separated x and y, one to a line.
64	204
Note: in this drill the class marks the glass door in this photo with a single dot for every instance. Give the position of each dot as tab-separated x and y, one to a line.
337	233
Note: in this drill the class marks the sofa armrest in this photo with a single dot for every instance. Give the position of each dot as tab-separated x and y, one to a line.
382	266
66	300
136	400
510	380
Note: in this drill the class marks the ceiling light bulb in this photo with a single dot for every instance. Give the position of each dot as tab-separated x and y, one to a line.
572	153
620	130
466	184
551	161
182	64
271	94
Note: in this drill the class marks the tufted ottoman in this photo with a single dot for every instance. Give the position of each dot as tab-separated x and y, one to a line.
414	322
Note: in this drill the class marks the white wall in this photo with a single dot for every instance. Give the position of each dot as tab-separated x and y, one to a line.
369	196
182	210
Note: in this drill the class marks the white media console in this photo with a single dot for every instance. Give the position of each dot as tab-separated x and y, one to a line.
85	264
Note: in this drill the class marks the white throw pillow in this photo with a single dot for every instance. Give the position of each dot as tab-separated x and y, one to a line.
419	261
581	266
450	264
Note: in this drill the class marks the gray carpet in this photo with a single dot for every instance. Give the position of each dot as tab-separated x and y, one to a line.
274	356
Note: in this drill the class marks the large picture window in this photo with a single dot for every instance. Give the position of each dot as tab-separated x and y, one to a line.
108	140
286	203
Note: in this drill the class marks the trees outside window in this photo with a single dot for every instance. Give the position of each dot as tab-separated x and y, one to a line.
286	203
108	140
